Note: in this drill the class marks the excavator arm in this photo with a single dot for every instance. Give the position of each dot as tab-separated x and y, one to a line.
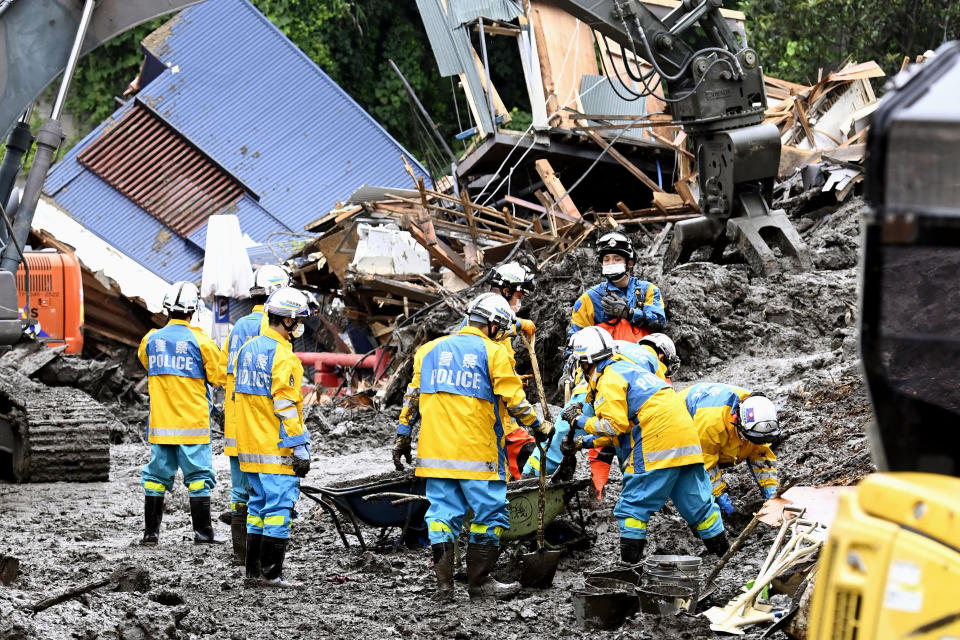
713	84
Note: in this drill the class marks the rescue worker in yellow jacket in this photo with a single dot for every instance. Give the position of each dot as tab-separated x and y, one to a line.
182	364
266	279
657	444
734	424
273	446
512	281
463	384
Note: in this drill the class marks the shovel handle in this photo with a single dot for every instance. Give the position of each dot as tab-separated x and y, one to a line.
747	530
536	376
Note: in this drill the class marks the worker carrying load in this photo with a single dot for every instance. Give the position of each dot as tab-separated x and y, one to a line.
512	281
655	353
463	384
273	446
183	365
734	424
266	279
655	438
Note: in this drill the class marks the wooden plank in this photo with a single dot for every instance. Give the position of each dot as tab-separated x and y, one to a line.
395	287
682	187
468	211
523	203
665	201
546	70
498	105
508	217
550	180
633	169
443	254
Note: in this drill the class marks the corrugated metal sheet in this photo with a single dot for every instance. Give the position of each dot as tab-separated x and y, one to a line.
603	99
247	97
241	91
493	9
150	163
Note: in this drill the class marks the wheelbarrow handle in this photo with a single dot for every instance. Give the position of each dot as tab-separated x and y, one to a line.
395	497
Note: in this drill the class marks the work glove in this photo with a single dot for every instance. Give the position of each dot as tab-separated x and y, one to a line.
527	327
301	460
639	318
616	306
568	372
542	433
768	492
725	503
401	449
571	412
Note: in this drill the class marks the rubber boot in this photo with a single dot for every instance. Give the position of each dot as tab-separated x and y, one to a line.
272	552
717	545
152	515
202	526
238	533
225	516
252	576
481	560
443	555
631	550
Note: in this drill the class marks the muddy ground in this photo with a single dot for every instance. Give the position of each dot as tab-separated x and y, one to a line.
791	335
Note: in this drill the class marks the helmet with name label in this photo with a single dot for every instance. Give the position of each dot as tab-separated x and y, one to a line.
757	419
592	345
618	244
513	276
494	309
267	279
182	297
287	302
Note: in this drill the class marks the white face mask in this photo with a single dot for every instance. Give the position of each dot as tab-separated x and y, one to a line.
297	330
614	271
515	304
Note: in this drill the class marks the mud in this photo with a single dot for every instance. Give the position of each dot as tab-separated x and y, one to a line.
791	335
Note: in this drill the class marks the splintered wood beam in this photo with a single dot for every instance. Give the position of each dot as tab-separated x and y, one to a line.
442	254
508	217
468	211
556	189
634	170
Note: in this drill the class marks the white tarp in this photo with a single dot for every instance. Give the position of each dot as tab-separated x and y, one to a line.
106	262
387	250
226	266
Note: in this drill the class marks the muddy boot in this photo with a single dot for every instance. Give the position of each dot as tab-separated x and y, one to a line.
152	515
272	552
238	533
253	577
717	545
631	550
481	559
225	516
443	554
202	527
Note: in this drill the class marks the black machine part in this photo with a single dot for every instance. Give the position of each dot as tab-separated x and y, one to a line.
714	84
910	306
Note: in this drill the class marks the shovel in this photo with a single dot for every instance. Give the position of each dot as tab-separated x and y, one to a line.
709	585
538	568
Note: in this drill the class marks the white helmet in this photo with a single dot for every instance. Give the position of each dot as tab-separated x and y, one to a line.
492	308
592	345
267	279
513	276
662	343
287	302
757	419
182	297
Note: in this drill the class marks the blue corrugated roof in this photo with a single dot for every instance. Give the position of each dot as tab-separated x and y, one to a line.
239	90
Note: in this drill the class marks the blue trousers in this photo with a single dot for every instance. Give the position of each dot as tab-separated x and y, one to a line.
239	485
449	501
271	507
645	493
195	460
554	454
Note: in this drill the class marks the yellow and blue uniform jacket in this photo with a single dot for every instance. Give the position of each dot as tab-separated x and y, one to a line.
181	362
269	404
648	419
463	387
247	327
712	407
643	297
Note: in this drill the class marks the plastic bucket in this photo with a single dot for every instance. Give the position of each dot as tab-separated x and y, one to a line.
665	599
605	603
622	572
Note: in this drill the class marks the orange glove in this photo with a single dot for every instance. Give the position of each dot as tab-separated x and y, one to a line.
528	327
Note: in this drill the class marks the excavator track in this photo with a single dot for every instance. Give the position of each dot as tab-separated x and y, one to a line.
52	433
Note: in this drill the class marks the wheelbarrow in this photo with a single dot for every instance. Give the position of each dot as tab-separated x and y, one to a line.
374	502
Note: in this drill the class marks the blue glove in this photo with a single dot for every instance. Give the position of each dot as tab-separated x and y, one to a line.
580	422
588	441
725	503
768	492
301	451
639	317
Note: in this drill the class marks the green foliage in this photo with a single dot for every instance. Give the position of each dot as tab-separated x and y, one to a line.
796	38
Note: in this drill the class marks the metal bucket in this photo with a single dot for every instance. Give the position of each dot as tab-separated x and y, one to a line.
665	599
604	603
670	570
625	572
